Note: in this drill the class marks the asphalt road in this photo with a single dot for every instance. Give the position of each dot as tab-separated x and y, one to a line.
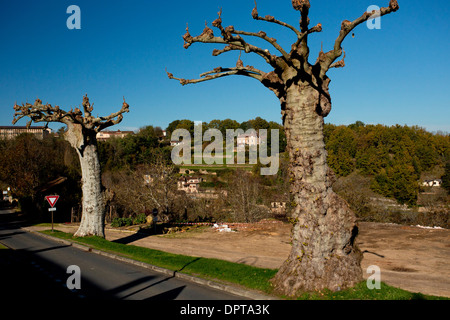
36	268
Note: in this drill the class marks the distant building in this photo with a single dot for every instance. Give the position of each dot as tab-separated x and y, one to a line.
10	132
432	183
189	184
250	139
279	207
105	135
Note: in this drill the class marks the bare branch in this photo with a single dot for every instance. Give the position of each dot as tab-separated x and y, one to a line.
39	112
230	47
263	35
327	59
271	19
316	28
220	72
112	119
87	106
303	41
340	63
302	6
302	34
207	36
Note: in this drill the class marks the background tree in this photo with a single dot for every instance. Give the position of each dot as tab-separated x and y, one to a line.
324	253
145	187
341	147
29	164
446	177
172	127
81	134
133	149
244	196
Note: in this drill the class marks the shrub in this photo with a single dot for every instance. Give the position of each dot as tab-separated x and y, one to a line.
140	219
121	222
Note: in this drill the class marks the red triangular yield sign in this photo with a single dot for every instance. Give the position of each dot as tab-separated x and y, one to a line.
52	200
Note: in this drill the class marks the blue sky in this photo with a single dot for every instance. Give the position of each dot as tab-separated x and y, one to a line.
396	75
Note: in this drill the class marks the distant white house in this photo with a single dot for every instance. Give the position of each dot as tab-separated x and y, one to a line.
250	139
278	206
189	184
432	183
105	135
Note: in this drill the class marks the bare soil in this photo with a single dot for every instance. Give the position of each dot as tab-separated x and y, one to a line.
410	257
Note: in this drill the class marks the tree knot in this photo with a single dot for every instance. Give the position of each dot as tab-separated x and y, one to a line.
301	5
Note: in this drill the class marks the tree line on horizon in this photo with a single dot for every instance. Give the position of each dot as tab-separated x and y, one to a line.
394	157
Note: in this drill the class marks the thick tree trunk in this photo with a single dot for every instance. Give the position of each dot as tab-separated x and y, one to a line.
324	253
93	214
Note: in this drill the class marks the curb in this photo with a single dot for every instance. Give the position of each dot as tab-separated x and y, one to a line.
209	283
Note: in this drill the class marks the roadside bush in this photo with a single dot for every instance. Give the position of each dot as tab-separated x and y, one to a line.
440	217
126	222
140	219
121	222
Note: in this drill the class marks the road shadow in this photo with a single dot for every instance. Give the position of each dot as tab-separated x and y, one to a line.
168	295
26	276
9	235
130	285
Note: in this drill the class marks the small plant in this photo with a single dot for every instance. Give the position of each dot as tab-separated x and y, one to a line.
126	222
140	219
121	222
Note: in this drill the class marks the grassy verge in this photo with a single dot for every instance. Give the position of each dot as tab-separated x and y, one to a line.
361	292
236	273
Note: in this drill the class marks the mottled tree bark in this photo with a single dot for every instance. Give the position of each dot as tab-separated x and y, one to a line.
324	252
84	141
81	134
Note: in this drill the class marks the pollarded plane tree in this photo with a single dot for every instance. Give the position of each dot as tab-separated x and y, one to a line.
81	134
324	253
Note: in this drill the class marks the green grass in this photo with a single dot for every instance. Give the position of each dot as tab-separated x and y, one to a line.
43	224
361	292
235	273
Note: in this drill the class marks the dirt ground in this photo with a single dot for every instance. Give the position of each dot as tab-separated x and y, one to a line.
410	257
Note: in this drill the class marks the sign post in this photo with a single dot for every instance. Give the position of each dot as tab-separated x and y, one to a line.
52	201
